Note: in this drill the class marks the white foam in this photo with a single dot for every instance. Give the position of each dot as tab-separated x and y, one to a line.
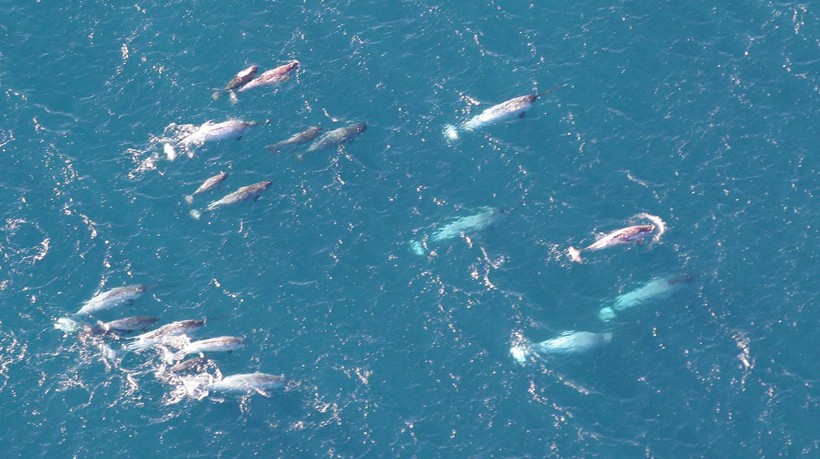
170	152
659	223
450	132
519	354
66	325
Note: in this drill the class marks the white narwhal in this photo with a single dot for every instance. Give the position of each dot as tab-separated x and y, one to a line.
568	342
248	383
112	298
514	108
217	344
209	132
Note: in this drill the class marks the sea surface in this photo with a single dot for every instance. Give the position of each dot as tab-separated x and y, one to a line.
702	113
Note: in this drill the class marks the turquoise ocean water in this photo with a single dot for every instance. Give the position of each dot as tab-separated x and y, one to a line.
702	113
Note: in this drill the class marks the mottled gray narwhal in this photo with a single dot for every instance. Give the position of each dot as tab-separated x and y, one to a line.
245	193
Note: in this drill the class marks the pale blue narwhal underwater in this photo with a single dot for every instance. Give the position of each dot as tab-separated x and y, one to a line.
654	290
466	225
574	342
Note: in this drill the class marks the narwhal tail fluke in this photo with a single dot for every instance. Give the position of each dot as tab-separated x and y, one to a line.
195	214
417	247
189	198
574	254
216	94
606	314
